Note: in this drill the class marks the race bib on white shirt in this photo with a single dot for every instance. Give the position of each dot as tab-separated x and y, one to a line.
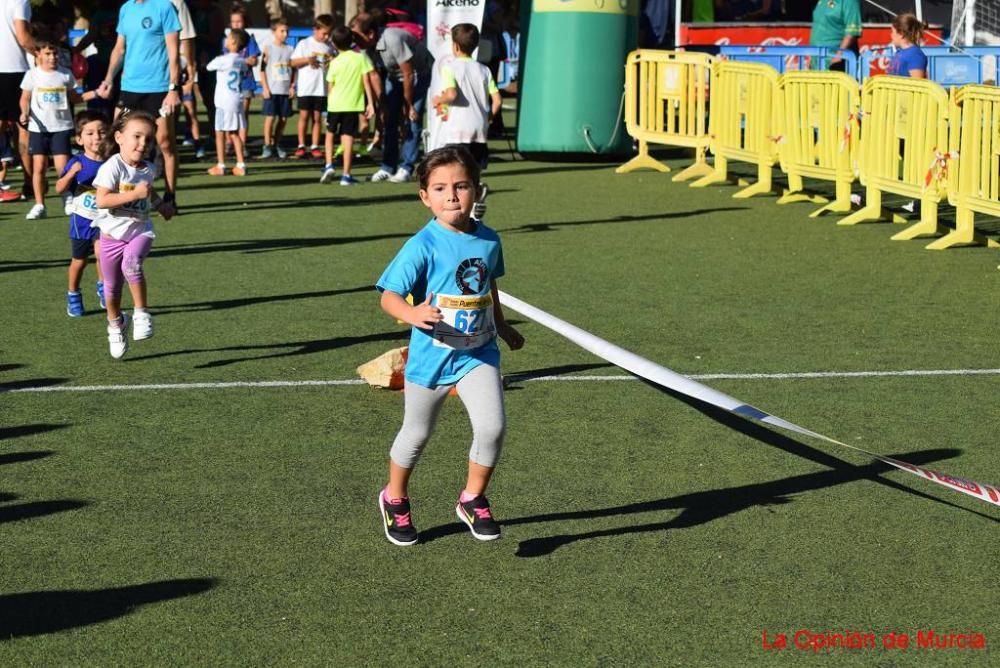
467	323
85	204
282	71
138	208
52	99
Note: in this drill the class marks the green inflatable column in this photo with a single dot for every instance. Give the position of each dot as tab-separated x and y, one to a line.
573	75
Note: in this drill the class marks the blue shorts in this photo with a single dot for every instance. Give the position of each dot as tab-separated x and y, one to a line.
82	248
277	105
49	143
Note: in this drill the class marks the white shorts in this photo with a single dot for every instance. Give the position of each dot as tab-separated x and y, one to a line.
229	120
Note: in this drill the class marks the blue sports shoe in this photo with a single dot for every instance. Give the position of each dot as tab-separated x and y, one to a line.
74	304
348	180
100	294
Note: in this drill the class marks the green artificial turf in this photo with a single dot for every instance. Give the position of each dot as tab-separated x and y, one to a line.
238	526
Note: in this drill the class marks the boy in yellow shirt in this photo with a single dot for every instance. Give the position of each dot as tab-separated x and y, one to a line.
349	88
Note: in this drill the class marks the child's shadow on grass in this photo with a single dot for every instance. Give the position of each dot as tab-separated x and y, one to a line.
12	385
551	227
289	349
40	612
28	510
702	507
251	246
251	301
299	204
7	266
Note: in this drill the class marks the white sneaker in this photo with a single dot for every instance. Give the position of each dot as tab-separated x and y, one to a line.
37	211
142	325
328	175
402	175
380	175
67	204
118	337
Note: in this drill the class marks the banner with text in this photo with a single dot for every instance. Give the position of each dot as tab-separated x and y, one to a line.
443	14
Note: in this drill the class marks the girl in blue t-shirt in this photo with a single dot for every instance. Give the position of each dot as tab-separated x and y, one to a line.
450	268
78	179
908	61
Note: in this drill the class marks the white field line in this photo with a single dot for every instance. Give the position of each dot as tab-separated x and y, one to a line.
511	377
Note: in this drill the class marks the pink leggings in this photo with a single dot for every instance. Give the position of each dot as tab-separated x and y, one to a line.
122	258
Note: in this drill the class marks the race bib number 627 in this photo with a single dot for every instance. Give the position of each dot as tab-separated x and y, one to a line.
467	321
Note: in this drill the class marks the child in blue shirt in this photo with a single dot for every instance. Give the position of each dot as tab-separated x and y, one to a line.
78	180
450	267
909	60
250	54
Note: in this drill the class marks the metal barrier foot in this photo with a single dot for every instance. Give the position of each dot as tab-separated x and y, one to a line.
958	239
790	197
642	161
716	176
872	212
759	188
963	234
927	226
697	170
836	206
921	229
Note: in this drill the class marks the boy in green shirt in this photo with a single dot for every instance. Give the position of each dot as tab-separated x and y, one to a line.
348	90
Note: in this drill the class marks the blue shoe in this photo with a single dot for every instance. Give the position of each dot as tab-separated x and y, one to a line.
348	180
100	294
328	174
74	304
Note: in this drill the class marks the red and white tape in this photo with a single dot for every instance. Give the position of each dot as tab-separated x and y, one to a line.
672	380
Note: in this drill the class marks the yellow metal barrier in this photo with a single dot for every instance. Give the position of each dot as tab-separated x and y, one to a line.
666	102
742	123
904	128
974	182
817	116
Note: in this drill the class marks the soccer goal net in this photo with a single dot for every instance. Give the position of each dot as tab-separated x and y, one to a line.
975	22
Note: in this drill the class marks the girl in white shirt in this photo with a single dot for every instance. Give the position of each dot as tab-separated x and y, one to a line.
124	198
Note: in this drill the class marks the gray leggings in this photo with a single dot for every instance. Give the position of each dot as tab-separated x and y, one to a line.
482	393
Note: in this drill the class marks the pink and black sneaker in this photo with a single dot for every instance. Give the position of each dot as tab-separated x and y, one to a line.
478	517
396	520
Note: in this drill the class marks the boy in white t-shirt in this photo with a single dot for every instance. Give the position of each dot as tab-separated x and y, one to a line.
46	93
310	58
229	115
276	76
469	98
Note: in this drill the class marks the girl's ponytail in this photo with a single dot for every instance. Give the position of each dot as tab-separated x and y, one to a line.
910	27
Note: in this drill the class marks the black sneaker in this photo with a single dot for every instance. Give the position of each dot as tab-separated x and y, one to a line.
479	518
396	520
